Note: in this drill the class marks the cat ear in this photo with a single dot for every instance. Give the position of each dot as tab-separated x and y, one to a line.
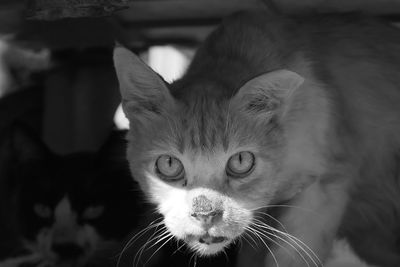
144	93
25	145
267	94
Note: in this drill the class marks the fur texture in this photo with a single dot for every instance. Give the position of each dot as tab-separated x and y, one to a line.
315	100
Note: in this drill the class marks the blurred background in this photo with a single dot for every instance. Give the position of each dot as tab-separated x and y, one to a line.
56	71
69	86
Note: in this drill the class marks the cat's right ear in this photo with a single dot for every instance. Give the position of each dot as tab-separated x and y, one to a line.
144	93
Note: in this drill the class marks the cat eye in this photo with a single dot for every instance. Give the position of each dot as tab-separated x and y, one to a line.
169	168
241	164
92	213
42	211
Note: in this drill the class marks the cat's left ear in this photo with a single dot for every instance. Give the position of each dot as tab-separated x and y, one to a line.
25	145
144	93
267	94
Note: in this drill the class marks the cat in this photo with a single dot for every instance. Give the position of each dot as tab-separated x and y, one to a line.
300	113
70	210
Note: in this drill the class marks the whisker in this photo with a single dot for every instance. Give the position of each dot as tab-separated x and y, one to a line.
195	260
240	242
226	256
271	217
191	257
160	235
282	206
169	239
260	232
295	240
176	250
252	239
160	238
129	243
263	228
301	242
285	241
270	250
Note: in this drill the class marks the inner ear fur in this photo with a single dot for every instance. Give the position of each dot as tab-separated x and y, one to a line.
144	93
267	94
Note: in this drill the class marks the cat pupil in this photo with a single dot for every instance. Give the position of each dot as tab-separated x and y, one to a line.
169	161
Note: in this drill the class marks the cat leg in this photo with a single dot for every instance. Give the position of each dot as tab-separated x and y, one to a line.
313	224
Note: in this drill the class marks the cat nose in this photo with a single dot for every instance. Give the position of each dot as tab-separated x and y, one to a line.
66	251
209	218
205	211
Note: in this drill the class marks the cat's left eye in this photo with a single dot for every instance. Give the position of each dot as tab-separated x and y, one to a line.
240	164
42	210
92	213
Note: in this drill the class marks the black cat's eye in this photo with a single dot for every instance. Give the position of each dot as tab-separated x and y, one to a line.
240	164
93	212
169	168
42	210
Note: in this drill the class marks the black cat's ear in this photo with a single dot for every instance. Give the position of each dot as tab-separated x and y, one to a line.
144	93
268	94
25	145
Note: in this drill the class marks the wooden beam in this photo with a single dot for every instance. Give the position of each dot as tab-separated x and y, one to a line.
60	9
164	10
374	7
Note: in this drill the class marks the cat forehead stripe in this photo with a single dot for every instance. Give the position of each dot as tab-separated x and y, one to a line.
205	125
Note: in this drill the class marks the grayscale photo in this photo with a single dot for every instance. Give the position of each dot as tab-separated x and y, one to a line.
199	133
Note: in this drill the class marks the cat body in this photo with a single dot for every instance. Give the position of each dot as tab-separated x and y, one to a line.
69	210
302	111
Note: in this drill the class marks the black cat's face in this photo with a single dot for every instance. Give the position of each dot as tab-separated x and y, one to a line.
70	209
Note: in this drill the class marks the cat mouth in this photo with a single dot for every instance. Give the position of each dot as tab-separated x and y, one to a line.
207	244
208	239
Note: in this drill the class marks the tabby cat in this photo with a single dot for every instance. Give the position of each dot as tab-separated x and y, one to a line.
301	113
73	210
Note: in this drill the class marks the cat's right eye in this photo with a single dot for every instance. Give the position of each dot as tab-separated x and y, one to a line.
169	168
42	210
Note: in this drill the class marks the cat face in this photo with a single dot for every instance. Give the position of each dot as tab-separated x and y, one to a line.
60	234
72	209
206	187
209	160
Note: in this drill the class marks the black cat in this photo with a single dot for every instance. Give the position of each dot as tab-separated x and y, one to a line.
72	210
